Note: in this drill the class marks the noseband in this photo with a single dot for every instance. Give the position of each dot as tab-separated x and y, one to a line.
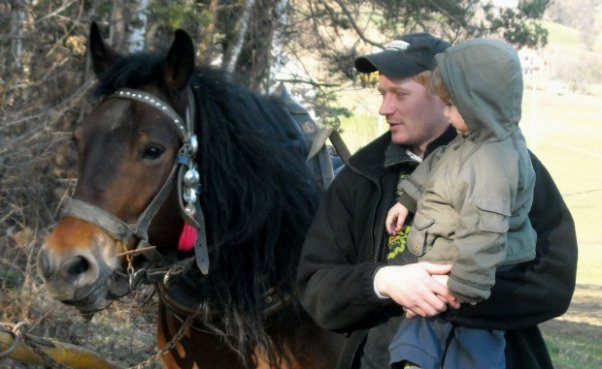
188	184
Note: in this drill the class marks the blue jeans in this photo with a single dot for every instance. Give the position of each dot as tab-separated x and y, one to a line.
433	343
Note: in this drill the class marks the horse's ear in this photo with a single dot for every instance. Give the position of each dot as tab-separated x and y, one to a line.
179	62
102	55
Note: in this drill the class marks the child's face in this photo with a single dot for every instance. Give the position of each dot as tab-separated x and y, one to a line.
455	118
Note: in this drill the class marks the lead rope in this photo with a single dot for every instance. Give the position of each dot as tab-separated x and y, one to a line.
14	331
18	334
186	324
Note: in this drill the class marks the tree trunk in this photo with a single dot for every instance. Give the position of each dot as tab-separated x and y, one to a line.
137	29
17	30
253	65
128	25
278	41
117	25
206	48
243	25
259	50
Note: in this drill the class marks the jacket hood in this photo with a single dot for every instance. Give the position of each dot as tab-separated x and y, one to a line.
484	80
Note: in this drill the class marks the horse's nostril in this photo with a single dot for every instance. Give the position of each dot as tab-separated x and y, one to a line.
75	267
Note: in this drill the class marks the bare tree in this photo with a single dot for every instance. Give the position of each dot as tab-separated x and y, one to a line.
240	35
137	31
17	26
278	40
207	34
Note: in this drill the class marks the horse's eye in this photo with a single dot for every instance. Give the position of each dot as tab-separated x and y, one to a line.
152	152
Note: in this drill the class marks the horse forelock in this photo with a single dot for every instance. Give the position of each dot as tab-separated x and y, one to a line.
131	71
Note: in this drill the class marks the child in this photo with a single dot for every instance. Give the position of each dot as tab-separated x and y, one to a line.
471	201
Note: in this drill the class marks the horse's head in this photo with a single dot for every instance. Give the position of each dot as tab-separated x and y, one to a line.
127	148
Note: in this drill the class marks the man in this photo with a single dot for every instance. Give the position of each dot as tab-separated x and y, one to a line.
354	279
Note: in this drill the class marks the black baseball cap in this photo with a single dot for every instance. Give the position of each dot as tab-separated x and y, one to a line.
405	56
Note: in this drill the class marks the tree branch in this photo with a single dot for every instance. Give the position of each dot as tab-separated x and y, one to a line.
307	82
357	29
445	13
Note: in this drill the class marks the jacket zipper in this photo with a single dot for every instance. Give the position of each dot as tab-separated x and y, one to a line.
378	216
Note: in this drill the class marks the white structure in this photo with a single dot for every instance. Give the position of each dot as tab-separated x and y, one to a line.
531	61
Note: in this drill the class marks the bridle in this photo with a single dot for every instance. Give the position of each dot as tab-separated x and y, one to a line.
184	173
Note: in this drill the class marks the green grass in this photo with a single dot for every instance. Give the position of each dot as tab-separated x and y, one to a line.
364	125
560	35
565	133
577	353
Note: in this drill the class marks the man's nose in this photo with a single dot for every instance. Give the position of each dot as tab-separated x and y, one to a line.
387	106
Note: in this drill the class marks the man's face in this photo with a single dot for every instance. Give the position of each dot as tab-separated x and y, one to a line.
415	116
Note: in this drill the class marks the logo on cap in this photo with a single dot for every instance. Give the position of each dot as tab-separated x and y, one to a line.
397	45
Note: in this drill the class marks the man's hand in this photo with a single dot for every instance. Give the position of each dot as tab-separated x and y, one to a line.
420	288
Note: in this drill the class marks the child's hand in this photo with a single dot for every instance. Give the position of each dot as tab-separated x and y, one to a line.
395	218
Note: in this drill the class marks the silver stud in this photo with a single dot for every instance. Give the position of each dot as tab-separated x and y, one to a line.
191	178
190	195
194	144
190	209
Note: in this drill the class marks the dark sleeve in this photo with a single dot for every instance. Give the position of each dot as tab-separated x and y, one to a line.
407	201
335	276
533	292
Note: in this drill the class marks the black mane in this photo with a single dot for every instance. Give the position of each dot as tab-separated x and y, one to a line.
257	194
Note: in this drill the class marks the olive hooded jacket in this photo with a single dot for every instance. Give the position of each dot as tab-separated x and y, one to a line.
472	197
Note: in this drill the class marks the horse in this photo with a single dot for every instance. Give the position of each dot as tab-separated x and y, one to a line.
175	154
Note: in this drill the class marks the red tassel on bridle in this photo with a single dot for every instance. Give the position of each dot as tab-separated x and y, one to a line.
187	238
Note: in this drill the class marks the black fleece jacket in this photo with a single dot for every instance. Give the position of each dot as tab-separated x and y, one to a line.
345	246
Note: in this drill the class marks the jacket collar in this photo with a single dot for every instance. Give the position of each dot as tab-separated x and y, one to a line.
375	158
